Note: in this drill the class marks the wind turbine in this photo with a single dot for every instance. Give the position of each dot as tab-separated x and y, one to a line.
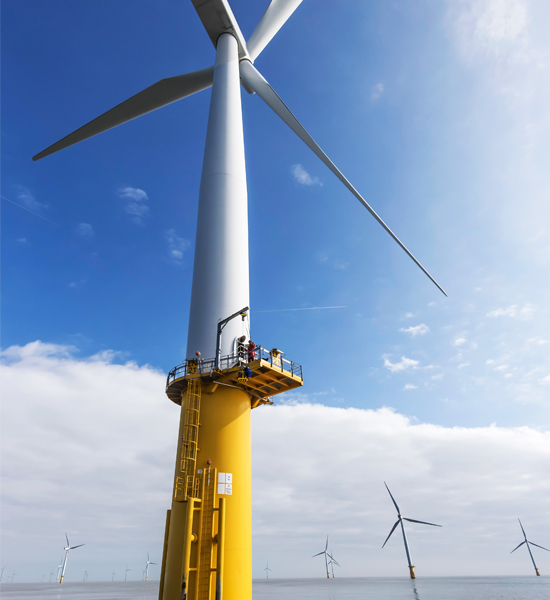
113	577
267	569
333	562
527	543
399	521
126	572
85	578
220	286
2	572
67	549
147	566
52	574
12	576
326	553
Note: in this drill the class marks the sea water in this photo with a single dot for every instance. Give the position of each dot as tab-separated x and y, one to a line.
342	588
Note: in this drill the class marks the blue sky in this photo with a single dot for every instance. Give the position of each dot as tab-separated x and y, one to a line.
435	111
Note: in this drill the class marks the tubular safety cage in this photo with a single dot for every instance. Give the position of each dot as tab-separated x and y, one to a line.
207	366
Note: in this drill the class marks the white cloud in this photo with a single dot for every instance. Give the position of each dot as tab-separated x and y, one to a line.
21	240
85	230
421	329
459	341
402	365
410	386
26	198
303	177
376	91
501	368
437	377
136	206
176	246
524	314
97	439
461	366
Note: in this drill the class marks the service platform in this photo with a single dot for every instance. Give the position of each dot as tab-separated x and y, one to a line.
272	374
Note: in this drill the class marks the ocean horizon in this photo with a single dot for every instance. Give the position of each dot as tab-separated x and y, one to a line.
341	588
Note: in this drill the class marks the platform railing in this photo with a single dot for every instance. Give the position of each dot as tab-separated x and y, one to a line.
206	366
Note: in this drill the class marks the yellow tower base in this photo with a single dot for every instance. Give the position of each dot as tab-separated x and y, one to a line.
537	572
208	537
411	569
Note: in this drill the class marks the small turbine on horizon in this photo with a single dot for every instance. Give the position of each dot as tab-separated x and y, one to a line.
51	575
400	520
126	572
333	562
85	576
527	542
113	577
2	572
267	569
325	552
67	549
147	566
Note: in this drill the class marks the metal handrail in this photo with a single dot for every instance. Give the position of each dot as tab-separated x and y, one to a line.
207	366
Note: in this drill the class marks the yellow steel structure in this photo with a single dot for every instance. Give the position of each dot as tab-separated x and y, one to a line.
208	538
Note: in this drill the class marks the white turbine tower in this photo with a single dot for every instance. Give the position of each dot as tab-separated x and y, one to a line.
67	549
147	566
220	273
399	521
267	570
126	573
333	562
528	543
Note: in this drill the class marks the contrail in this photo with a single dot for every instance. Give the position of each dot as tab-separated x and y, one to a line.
34	213
289	309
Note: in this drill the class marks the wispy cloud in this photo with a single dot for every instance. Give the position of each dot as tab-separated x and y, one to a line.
459	341
291	309
402	365
376	91
415	330
177	246
303	177
136	206
410	386
514	312
85	230
463	365
27	200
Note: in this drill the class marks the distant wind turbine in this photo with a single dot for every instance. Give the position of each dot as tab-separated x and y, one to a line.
12	576
399	521
333	562
2	572
113	577
85	576
51	575
126	572
67	549
527	543
325	552
267	569
147	566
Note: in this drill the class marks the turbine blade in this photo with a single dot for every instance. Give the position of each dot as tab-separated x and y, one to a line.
393	499
333	560
520	545
152	563
423	522
274	18
326	547
533	544
523	530
318	554
392	530
255	81
67	540
155	96
79	545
